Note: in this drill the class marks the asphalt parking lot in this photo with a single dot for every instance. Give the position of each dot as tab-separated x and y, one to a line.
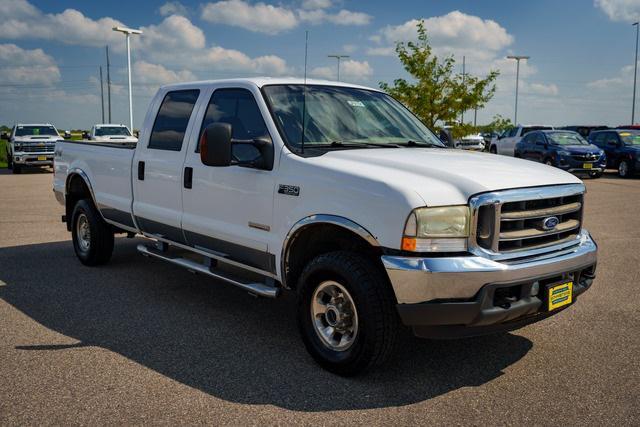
140	341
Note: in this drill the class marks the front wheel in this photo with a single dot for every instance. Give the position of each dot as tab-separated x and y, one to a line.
92	237
493	149
9	161
624	169
595	174
346	313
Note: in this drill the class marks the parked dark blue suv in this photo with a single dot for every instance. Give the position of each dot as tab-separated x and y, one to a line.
563	149
622	147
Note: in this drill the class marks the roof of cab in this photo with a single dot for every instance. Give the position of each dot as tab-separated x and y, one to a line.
265	81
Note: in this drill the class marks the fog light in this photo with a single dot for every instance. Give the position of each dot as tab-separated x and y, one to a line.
17	159
535	288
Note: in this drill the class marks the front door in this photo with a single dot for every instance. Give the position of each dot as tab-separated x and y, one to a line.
158	166
228	210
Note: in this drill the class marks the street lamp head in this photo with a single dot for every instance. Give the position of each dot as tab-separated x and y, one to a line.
127	30
518	57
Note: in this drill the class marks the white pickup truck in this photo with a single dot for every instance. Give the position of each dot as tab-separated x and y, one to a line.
338	193
111	133
31	145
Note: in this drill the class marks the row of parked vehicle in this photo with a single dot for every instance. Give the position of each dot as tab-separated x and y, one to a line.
34	144
577	149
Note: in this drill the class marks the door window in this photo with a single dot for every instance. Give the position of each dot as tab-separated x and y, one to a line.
172	120
598	139
237	107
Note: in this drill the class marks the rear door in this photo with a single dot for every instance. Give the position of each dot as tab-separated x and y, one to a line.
158	165
612	148
507	144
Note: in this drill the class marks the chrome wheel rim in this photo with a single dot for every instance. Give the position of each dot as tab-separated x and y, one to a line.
334	315
623	169
83	232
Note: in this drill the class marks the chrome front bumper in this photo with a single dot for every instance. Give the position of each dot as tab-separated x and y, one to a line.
420	280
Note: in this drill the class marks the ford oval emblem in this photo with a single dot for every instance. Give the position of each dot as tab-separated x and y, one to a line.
550	223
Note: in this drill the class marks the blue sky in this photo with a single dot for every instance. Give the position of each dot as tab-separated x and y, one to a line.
580	72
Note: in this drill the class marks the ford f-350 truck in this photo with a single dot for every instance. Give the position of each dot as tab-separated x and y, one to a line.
338	193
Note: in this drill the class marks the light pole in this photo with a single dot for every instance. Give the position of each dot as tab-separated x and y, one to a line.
338	57
517	58
128	32
635	76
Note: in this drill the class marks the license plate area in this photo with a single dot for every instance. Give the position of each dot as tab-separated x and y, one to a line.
42	158
559	295
587	165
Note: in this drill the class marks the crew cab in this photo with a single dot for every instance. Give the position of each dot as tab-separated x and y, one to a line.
31	145
622	147
338	193
563	149
111	133
505	143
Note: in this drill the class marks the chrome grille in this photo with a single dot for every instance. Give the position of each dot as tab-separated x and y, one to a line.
35	148
586	157
510	223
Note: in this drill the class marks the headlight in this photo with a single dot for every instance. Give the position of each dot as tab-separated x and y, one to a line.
439	229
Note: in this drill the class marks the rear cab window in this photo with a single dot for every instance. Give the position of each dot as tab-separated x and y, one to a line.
172	120
527	129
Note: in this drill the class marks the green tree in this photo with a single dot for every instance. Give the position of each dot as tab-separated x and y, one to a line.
435	93
498	124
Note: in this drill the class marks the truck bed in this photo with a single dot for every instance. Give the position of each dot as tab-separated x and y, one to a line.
107	166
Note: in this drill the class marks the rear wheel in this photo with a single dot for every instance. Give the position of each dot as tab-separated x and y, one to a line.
493	149
346	313
624	169
92	237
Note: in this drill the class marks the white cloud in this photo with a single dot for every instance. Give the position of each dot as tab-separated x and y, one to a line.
381	51
173	8
343	17
350	70
155	74
540	89
173	35
349	48
620	10
623	79
24	21
453	30
316	4
259	17
26	67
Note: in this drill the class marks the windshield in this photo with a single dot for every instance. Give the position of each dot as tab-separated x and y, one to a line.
112	130
566	138
339	116
527	129
36	131
630	138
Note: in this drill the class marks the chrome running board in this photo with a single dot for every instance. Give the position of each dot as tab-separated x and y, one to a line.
259	289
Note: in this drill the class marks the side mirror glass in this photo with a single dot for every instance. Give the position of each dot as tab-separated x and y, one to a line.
215	145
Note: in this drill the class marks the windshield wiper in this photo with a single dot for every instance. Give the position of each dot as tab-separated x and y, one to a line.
346	144
412	143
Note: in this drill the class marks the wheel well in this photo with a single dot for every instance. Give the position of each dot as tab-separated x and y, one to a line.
316	239
77	189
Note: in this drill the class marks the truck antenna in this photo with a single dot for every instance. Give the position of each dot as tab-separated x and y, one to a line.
304	90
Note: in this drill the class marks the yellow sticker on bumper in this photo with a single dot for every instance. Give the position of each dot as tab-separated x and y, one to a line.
560	295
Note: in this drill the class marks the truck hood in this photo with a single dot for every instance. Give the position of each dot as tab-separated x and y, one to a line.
116	138
37	138
444	176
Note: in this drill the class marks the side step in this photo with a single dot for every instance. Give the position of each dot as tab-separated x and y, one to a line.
259	289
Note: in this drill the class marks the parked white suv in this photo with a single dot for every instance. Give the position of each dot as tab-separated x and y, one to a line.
338	193
111	133
31	145
505	143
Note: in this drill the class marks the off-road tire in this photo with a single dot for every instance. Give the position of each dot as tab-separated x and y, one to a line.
375	303
100	241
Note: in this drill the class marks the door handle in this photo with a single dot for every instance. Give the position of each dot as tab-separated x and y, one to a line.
188	177
141	171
